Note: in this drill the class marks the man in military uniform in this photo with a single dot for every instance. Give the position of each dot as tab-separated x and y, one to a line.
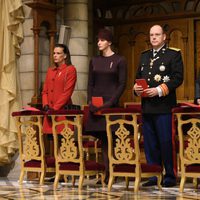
162	68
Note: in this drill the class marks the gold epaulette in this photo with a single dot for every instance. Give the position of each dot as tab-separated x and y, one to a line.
175	49
146	50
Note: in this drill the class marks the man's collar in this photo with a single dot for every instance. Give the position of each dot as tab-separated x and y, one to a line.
159	48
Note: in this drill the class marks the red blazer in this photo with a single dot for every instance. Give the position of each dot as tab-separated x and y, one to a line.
57	90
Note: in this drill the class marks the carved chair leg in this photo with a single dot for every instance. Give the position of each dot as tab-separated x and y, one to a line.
21	177
80	185
127	182
159	179
42	175
111	179
182	183
73	180
56	181
137	182
65	178
195	183
103	175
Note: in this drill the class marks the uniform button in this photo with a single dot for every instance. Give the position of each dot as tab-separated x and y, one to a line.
148	79
149	72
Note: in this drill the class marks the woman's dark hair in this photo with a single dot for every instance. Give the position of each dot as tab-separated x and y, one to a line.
66	51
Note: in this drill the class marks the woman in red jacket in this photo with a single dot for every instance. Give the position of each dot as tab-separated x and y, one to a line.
59	84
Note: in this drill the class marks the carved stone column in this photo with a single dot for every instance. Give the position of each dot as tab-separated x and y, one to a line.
75	15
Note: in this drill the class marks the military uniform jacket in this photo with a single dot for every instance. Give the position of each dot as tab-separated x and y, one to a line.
166	67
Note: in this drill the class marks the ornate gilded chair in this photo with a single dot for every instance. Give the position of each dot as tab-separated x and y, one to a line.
91	144
68	148
31	144
136	106
189	144
123	147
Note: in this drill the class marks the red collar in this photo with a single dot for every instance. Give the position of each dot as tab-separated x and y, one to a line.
61	67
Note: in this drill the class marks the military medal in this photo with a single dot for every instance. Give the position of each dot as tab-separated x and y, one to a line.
162	68
142	67
152	61
166	79
157	77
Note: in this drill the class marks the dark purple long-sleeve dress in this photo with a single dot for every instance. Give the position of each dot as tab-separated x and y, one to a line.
107	79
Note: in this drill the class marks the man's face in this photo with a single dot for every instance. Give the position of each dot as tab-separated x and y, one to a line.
157	37
59	56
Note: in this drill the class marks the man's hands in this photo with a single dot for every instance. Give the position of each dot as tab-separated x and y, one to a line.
138	89
151	92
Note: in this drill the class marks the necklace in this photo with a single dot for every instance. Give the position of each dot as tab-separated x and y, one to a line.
152	61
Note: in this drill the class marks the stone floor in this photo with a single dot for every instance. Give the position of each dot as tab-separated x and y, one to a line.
11	190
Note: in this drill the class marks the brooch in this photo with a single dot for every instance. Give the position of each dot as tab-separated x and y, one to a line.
111	64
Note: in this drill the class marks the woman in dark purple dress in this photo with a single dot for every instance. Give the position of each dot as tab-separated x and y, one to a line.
107	79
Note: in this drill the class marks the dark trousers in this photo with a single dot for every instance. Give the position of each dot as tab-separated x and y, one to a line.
157	131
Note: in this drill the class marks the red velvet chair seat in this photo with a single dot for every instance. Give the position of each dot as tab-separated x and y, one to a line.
89	166
50	162
193	168
27	113
144	167
91	144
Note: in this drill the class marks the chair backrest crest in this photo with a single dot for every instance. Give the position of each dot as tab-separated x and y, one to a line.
124	145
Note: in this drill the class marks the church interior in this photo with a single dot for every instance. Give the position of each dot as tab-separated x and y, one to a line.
29	31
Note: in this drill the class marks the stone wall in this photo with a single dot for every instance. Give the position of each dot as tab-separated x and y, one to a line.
74	14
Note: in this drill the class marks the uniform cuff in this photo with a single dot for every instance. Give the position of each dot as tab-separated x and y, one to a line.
160	94
164	88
